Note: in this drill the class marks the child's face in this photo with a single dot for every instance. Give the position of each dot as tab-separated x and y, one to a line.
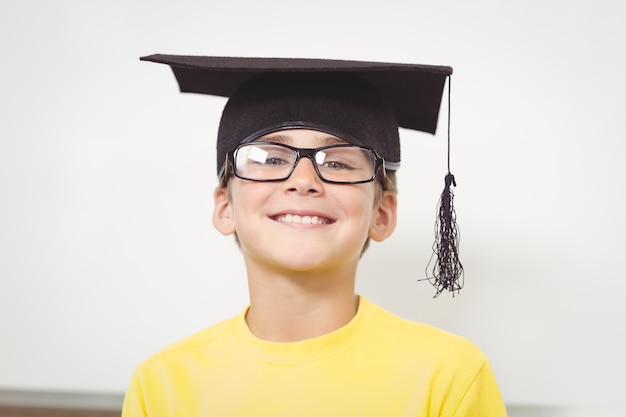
303	223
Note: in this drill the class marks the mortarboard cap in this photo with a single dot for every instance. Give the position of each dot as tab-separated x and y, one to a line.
361	102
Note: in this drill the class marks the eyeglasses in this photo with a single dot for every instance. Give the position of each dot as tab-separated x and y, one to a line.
338	164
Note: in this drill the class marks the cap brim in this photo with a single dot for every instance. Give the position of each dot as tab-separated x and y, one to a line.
414	91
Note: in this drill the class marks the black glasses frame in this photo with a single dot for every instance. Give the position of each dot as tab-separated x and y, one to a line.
306	153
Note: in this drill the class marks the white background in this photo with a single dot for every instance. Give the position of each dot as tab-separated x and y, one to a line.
107	252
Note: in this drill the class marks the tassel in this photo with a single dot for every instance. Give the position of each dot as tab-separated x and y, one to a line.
447	271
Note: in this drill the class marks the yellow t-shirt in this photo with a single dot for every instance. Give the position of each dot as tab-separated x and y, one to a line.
376	365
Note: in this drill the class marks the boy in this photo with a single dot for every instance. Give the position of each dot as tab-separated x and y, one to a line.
307	153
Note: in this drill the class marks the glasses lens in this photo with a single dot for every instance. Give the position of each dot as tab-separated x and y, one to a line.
263	161
346	163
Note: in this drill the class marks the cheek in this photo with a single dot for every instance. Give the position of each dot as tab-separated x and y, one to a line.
360	204
248	199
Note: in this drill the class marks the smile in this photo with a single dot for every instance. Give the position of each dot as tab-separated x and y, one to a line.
294	218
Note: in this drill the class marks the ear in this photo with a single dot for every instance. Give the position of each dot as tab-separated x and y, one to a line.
385	217
223	216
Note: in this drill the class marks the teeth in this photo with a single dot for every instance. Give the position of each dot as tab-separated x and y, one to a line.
294	218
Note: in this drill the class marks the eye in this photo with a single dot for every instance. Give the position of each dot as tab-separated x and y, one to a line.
275	161
270	155
333	159
336	165
338	159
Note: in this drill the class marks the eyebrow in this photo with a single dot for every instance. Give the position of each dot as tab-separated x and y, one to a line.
323	140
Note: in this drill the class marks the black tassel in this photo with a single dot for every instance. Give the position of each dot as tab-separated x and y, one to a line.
447	271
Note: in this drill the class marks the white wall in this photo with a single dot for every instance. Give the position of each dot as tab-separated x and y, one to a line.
107	252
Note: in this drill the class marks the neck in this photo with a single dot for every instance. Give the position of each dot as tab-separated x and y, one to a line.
298	306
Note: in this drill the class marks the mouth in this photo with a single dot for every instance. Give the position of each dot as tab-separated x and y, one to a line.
302	219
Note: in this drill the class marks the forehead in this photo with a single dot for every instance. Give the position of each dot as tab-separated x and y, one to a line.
302	138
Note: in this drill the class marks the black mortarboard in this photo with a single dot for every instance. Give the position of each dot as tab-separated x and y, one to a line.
361	102
413	93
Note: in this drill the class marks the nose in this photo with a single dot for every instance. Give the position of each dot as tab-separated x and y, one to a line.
304	178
